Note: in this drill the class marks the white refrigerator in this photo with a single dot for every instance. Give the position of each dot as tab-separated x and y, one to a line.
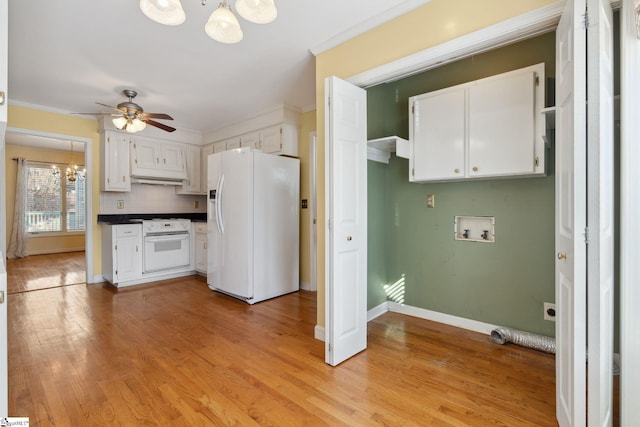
253	224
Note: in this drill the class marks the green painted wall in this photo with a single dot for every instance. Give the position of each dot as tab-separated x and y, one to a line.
504	283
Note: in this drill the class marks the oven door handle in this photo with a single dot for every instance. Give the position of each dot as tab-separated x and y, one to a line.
219	206
167	237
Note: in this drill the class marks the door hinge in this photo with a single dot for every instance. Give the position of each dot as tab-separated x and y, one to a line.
413	109
585	21
280	131
329	101
537	80
329	224
537	161
1	297
413	172
586	235
330	348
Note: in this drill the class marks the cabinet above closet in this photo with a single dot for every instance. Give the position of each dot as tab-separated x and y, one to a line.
488	128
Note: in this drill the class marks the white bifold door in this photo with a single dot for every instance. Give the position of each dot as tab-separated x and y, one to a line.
584	214
346	214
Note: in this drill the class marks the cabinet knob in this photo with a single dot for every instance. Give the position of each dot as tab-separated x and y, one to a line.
475	169
562	255
349	238
456	170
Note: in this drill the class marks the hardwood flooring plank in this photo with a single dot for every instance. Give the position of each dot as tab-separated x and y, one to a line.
176	353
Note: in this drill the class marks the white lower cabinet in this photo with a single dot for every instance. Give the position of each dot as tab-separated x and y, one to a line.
488	128
121	252
200	247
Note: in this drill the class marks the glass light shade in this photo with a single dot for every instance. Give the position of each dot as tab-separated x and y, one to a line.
138	125
166	12
130	128
119	122
257	11
223	26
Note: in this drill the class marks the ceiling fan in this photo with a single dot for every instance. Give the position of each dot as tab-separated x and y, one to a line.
131	117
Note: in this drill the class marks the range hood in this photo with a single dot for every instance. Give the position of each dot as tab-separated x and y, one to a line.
155	181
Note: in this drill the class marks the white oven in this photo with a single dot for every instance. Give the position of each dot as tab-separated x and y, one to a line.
166	244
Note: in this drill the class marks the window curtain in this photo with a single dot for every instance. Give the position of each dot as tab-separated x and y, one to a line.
18	241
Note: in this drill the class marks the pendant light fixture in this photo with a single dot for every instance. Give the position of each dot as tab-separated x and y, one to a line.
167	12
257	11
222	25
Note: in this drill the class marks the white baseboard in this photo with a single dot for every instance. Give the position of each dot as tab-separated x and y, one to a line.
305	286
377	311
97	279
55	251
447	319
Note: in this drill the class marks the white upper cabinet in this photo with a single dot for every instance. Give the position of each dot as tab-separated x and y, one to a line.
281	139
251	139
206	151
192	185
493	127
114	173
151	158
438	137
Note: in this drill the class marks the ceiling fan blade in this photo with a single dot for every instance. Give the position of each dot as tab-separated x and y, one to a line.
159	125
108	106
156	116
96	114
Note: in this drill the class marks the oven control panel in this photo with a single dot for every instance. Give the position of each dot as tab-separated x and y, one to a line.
156	226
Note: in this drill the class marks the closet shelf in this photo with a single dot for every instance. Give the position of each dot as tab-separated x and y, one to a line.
380	149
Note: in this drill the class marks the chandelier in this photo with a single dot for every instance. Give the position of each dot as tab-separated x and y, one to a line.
222	26
72	173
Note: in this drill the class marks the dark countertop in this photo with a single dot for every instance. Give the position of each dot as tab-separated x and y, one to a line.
127	218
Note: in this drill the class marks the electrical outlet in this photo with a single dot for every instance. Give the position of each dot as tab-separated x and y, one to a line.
120	204
431	200
550	311
196	204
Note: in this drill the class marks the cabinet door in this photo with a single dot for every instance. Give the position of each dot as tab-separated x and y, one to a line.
194	175
501	125
251	139
206	151
200	263
173	161
270	141
145	157
219	146
128	256
437	136
233	143
115	159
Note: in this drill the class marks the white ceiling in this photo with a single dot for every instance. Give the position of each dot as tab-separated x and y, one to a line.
69	54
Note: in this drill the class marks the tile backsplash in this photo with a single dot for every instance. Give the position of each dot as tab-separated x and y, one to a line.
145	198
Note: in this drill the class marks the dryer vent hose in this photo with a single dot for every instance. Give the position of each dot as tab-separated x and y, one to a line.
525	339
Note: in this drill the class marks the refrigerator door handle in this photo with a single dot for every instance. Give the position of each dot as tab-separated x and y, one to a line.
219	206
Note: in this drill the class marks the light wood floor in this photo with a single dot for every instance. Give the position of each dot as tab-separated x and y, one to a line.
45	271
175	353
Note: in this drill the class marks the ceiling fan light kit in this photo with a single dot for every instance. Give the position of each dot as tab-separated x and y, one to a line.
222	25
167	12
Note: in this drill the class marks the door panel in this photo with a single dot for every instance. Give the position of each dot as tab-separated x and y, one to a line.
346	174
600	213
629	214
570	217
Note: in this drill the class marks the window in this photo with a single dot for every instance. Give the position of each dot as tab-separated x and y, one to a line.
54	204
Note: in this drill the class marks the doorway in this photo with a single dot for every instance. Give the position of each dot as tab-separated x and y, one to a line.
59	242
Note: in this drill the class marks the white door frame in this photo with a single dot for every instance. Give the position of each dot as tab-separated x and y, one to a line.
629	213
88	143
313	213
